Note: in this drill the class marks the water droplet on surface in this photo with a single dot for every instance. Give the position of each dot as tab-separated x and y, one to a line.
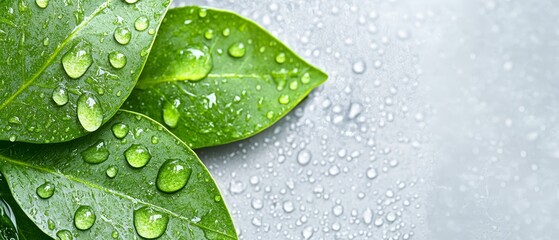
90	112
122	35
117	60
203	13
149	223
304	157
283	99
171	113
112	171
294	85
137	156
368	216
42	3
270	115
46	190
141	23
237	50
226	32
120	130
192	63
307	233
173	176
84	218
280	58
131	1
288	206
77	60
391	217
359	67
306	78
64	235
60	96
209	34
96	154
371	173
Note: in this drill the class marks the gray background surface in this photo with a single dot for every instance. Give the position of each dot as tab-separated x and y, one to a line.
439	121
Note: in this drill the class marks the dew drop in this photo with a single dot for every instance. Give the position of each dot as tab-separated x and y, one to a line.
171	113
304	157
60	96
359	67
137	156
77	60
270	115
84	218
149	223
42	3
294	85
46	190
209	34
122	35
141	23
120	130
237	50
90	113
111	172
64	235
226	32
97	153
306	78
280	58
192	63
117	60
288	206
283	99
371	173
203	13
173	176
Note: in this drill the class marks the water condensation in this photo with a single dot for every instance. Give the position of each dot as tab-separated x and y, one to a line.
438	121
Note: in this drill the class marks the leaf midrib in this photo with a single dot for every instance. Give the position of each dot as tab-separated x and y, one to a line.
108	191
56	52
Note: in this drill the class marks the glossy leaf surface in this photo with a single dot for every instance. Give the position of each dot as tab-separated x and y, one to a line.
214	77
66	67
106	185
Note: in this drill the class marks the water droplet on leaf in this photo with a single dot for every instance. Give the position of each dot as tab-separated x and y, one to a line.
173	176
280	58
84	218
283	99
42	3
60	96
96	154
193	63
117	60
122	35
237	50
137	156
90	112
141	23
77	60
171	113
120	130
149	223
46	190
64	235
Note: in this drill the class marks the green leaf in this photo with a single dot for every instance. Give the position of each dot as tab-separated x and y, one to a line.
214	77
66	67
97	184
14	224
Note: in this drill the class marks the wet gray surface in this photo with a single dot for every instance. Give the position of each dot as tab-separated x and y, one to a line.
439	121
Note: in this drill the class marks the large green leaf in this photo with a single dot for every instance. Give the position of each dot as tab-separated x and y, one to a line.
102	173
214	77
62	63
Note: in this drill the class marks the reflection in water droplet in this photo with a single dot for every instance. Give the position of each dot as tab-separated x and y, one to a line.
60	96
90	112
137	156
150	223
141	23
122	35
42	3
192	63
64	235
120	130
117	60
46	190
112	171
173	176
171	113
283	99
280	58
237	50
97	153
77	60
84	218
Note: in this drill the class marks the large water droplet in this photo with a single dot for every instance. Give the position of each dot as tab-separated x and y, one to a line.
77	60
141	23
46	190
117	60
137	156
95	154
192	63
237	50
122	35
42	3
120	130
173	176
149	223
64	235
60	96
90	112
171	113
84	218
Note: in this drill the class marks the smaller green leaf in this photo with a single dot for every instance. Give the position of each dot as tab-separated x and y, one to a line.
214	77
122	182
